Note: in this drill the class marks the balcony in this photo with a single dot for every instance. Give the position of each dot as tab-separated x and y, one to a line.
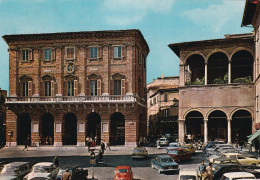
75	99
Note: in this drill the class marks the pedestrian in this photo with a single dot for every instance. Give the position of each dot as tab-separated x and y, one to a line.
102	146
209	172
56	161
202	170
95	139
66	175
241	144
250	146
108	145
26	144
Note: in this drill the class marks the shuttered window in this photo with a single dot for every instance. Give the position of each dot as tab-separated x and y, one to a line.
47	88
70	88
25	89
93	88
47	54
117	51
25	55
70	52
93	52
117	87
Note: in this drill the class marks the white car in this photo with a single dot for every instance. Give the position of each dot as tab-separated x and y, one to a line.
45	170
163	141
188	174
237	175
211	151
172	146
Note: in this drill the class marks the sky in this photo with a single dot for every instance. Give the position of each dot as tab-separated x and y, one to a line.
161	22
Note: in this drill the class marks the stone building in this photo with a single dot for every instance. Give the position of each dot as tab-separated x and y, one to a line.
216	91
64	87
3	95
252	17
162	106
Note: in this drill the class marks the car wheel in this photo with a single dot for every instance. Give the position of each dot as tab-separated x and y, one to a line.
253	165
159	171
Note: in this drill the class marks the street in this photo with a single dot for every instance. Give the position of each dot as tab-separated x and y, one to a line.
118	155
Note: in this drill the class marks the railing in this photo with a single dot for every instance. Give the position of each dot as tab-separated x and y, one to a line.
83	99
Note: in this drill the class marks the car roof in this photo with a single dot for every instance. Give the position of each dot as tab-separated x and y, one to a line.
16	163
188	172
164	156
123	167
174	143
232	154
43	164
140	148
238	174
69	166
177	149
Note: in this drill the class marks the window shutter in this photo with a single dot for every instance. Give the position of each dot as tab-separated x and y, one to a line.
42	88
75	87
75	53
20	89
99	87
53	53
111	52
41	54
88	53
30	88
122	86
19	54
99	55
124	51
115	49
30	54
88	87
52	87
112	87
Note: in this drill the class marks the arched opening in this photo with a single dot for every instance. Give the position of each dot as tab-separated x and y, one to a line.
194	125
218	68
242	67
241	125
94	127
24	128
47	129
117	136
70	129
195	72
217	126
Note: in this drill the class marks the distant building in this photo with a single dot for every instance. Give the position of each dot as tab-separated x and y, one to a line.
65	87
3	95
162	102
216	90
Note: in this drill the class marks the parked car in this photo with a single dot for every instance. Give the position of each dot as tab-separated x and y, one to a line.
77	172
179	154
45	170
188	174
214	149
123	173
211	144
241	159
140	152
190	148
15	170
222	160
173	145
237	175
163	142
164	163
220	169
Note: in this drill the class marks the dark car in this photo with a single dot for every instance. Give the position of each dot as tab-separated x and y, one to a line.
15	170
211	144
77	172
179	154
164	163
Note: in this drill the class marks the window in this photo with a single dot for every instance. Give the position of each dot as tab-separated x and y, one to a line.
25	89
151	102
117	87
70	52
70	88
25	55
93	52
165	97
117	52
93	86
47	88
154	100
47	54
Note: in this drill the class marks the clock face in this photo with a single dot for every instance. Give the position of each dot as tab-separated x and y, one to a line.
70	68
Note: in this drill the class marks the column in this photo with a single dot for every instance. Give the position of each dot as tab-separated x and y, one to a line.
205	131
182	75
229	131
181	130
229	72
132	128
81	129
58	128
11	128
35	130
206	73
105	127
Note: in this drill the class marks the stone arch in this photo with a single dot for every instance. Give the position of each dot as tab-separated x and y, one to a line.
216	51
216	109
194	53
238	109
117	127
23	127
94	126
242	49
69	136
47	129
193	109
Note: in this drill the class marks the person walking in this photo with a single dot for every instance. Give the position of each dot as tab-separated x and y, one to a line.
66	175
26	143
56	161
108	145
102	146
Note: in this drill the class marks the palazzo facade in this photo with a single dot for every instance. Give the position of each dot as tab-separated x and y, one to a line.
64	87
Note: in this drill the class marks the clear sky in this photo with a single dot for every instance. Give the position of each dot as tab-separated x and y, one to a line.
162	22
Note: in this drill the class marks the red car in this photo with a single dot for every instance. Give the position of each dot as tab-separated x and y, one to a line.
179	154
123	173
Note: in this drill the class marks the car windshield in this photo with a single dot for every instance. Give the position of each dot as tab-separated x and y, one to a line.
243	178
166	160
162	139
173	152
187	177
9	169
41	169
173	145
138	150
122	170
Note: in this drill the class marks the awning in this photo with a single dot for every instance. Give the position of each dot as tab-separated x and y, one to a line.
257	133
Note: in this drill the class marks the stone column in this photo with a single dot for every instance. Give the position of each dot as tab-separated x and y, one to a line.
132	128
105	127
181	130
205	131
206	74
182	75
58	128
81	129
35	130
229	130
229	72
11	128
